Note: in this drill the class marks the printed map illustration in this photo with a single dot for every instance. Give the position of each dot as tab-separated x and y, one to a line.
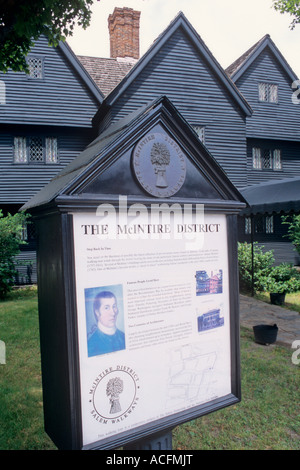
190	375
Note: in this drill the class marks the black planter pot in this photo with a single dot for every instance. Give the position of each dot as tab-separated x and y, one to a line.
277	299
265	334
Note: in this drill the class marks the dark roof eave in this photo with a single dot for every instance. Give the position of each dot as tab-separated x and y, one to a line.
82	72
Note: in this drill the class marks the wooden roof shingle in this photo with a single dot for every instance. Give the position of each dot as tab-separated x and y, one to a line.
107	73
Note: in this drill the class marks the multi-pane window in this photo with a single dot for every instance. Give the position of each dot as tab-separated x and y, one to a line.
2	92
277	161
248	225
269	224
20	150
35	66
268	92
200	131
35	149
262	224
266	159
51	155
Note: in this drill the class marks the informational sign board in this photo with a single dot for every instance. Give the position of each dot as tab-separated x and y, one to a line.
153	313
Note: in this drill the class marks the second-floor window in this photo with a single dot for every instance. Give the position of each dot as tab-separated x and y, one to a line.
266	159
35	149
268	92
36	67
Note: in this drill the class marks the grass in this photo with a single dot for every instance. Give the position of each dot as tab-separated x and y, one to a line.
267	418
292	301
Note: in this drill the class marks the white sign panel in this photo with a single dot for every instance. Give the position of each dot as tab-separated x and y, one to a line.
153	317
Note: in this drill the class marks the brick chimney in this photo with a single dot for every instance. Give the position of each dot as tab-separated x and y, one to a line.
124	29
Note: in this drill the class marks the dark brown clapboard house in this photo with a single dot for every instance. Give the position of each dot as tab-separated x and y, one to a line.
244	116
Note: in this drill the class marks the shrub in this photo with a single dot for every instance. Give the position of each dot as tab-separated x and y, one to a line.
283	279
262	266
293	234
11	229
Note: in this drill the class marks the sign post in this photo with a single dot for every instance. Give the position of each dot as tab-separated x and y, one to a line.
138	287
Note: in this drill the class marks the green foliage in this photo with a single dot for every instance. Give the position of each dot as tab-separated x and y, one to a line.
266	277
262	266
293	234
292	7
24	21
11	229
283	279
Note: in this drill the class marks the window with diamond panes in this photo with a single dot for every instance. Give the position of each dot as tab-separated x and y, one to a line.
35	65
277	161
51	150
35	149
20	150
248	225
2	92
269	224
256	158
268	92
266	159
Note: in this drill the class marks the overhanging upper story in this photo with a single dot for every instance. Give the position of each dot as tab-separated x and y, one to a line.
58	91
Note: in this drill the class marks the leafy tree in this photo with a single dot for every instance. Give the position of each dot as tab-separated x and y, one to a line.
11	230
24	21
289	6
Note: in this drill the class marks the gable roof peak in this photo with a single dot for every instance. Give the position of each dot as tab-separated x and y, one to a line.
240	65
180	21
240	61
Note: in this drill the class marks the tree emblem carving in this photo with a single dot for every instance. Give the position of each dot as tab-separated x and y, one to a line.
113	389
160	159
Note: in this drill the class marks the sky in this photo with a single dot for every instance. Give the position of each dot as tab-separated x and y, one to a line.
228	27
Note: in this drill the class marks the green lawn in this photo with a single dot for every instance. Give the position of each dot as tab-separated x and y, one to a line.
292	301
267	418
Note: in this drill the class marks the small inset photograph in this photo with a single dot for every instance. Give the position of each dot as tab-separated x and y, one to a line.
209	282
210	320
104	319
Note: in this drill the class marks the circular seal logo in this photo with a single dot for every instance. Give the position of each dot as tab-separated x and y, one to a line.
159	165
114	394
